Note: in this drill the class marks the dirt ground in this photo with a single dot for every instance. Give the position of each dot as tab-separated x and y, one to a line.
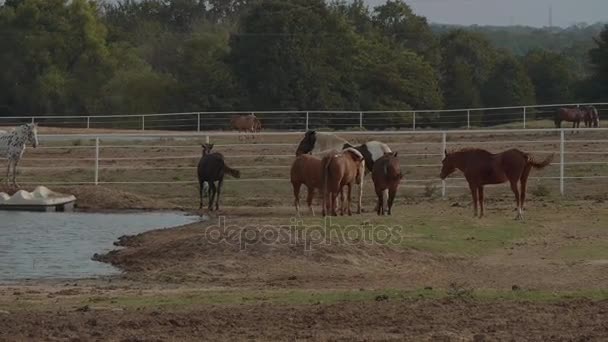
436	274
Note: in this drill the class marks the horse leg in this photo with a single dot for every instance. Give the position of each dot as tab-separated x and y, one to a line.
211	195
348	194
219	191
8	171
296	196
309	198
200	192
474	194
480	191
15	163
517	198
391	197
342	202
379	204
524	187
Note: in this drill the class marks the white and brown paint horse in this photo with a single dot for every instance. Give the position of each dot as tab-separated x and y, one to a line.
319	143
12	146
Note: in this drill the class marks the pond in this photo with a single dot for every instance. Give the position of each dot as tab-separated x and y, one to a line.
60	245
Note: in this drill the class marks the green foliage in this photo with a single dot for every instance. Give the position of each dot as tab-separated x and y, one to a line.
552	76
508	84
599	59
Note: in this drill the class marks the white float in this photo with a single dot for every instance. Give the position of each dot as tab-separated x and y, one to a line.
41	199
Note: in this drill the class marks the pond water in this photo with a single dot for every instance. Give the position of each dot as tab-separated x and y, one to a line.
60	245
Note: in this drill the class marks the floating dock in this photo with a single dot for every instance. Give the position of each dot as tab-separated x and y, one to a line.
41	199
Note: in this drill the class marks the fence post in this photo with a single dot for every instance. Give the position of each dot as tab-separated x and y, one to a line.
414	121
561	162
88	122
361	120
524	117
468	119
443	149
143	123
96	160
306	121
198	122
33	119
206	139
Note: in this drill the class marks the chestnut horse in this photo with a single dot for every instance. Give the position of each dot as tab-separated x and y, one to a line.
574	115
386	174
245	124
307	170
481	167
338	171
211	169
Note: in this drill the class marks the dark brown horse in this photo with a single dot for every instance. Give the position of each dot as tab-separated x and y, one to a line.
211	169
574	115
386	174
339	171
307	170
481	167
592	117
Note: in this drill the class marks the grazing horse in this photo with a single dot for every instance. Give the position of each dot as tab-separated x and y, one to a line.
245	124
319	143
386	174
211	169
574	115
481	167
12	146
338	171
592	117
307	170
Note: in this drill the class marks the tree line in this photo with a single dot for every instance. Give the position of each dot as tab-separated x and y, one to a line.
151	56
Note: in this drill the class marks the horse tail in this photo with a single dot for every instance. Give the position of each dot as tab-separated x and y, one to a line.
233	172
539	165
325	175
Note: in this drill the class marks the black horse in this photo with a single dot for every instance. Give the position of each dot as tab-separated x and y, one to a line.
211	169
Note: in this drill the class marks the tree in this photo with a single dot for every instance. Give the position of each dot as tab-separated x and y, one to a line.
508	85
552	75
599	62
467	61
396	20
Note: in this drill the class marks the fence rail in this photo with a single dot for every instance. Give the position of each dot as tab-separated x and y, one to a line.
470	118
170	158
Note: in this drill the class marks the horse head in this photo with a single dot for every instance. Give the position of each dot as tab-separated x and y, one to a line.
207	148
30	131
448	165
307	144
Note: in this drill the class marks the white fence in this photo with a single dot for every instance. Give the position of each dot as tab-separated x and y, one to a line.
170	158
513	117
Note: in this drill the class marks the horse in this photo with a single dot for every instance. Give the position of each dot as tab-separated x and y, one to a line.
592	117
307	170
481	167
338	171
386	174
246	124
320	143
12	146
574	115
211	169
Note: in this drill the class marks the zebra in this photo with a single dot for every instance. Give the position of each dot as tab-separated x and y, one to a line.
12	146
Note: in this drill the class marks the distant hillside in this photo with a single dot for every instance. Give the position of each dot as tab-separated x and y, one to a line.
573	41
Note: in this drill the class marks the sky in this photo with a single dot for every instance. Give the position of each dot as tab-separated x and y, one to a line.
508	12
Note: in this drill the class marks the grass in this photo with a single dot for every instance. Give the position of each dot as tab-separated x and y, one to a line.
190	299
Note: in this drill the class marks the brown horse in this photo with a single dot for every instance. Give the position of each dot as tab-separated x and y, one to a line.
307	170
481	167
386	174
245	124
211	169
338	171
574	115
592	117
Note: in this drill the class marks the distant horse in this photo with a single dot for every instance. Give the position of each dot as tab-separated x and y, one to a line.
574	115
245	124
386	174
592	117
319	143
339	171
481	167
307	170
12	146
211	169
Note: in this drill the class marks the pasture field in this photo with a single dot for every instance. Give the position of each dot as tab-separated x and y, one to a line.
255	271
